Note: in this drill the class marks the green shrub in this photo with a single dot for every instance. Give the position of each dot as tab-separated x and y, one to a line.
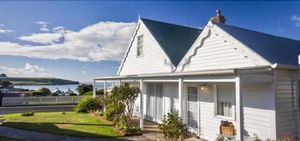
37	93
120	105
54	94
111	111
73	94
90	93
173	128
27	114
287	138
45	91
88	104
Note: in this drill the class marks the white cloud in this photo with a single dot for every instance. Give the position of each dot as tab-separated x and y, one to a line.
296	20
98	42
5	30
42	38
28	70
43	25
59	29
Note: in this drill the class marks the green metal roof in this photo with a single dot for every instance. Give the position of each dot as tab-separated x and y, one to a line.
273	48
175	40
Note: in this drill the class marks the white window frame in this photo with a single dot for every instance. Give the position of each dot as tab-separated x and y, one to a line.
216	115
140	46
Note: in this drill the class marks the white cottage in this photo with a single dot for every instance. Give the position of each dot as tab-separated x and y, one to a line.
219	73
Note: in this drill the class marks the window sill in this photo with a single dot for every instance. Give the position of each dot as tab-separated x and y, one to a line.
224	117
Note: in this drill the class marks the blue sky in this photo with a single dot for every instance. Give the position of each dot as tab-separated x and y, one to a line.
79	40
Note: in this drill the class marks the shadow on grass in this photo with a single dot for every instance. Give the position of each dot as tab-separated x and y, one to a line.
78	124
8	139
54	129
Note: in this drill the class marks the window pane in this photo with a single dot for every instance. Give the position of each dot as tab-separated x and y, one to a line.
192	93
140	45
225	99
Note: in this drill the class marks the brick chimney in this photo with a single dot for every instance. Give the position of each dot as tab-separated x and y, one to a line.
218	18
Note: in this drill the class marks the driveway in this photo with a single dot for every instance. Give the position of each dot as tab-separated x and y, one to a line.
47	108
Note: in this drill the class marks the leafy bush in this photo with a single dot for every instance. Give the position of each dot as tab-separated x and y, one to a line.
98	92
44	91
83	88
37	93
54	94
287	138
88	93
88	104
120	105
111	111
173	128
27	114
73	94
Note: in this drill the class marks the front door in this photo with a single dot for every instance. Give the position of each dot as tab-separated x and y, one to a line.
192	108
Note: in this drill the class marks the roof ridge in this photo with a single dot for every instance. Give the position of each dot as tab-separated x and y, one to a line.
260	32
186	26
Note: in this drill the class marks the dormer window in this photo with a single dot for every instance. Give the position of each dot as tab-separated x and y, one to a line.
140	45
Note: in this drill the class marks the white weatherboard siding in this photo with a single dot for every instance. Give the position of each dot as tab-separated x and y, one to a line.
153	60
286	102
258	110
215	50
209	123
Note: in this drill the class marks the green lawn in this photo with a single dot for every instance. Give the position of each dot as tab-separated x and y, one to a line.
70	123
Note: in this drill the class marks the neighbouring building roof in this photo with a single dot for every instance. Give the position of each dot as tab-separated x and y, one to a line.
68	91
175	40
273	48
57	91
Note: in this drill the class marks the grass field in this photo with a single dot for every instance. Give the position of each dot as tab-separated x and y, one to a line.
70	123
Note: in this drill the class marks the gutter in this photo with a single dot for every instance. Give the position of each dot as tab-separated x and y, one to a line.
282	66
255	69
209	72
195	73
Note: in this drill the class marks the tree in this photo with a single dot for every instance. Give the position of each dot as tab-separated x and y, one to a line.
83	88
44	91
120	105
6	83
3	75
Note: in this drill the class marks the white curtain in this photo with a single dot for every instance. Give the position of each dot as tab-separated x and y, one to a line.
225	99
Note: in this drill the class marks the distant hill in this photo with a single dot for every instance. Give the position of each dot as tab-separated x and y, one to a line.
37	81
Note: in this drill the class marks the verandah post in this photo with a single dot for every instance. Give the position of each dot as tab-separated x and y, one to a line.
104	87
141	105
180	99
94	88
239	109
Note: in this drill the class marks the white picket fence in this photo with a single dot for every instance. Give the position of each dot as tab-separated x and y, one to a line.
43	100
